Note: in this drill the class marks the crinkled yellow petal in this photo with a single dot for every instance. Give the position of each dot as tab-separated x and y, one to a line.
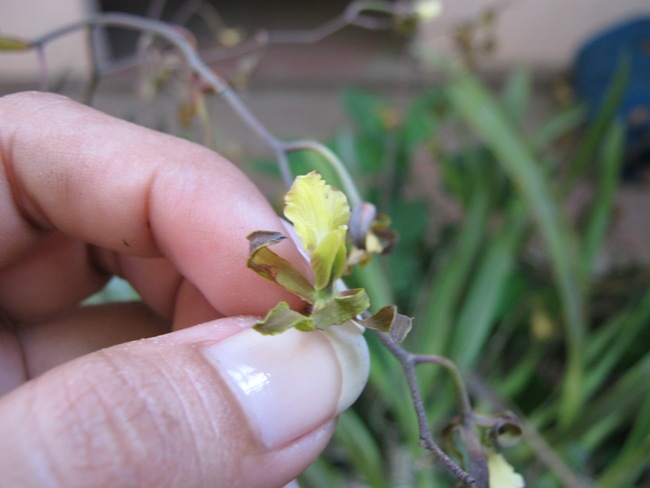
315	209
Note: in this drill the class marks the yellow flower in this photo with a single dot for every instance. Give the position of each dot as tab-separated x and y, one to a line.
502	475
315	209
320	215
427	10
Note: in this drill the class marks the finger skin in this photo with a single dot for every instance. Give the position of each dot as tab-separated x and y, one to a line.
145	413
131	191
84	196
84	330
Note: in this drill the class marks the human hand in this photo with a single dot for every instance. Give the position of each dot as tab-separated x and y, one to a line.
84	196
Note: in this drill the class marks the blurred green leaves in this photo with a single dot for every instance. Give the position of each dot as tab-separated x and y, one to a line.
509	290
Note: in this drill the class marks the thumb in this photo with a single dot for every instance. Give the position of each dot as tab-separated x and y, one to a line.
214	405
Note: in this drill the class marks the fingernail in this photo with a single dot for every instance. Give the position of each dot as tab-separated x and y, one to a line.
289	384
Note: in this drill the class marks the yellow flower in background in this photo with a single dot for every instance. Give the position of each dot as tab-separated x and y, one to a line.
502	474
427	10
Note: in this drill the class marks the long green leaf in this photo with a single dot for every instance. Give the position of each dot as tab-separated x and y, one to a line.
485	116
557	126
628	331
599	127
603	205
516	94
322	474
442	297
626	470
476	317
353	435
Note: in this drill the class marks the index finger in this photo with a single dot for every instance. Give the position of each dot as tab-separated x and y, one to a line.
129	189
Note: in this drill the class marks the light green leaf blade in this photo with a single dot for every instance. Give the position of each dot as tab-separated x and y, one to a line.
282	318
328	259
470	97
339	310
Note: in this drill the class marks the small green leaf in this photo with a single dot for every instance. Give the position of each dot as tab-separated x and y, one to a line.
341	309
13	44
282	318
274	268
388	320
315	209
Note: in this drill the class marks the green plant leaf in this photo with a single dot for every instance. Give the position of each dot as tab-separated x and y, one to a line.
274	268
339	310
529	177
367	111
328	259
597	130
282	318
516	94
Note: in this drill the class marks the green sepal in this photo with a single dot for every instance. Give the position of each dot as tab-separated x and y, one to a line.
282	318
388	320
339	310
274	268
13	44
328	260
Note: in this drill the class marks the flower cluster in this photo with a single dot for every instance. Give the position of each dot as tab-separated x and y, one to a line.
320	215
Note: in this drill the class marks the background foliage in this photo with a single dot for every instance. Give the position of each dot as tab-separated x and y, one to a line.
510	291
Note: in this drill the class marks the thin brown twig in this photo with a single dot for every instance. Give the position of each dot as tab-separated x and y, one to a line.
193	60
478	475
354	14
531	436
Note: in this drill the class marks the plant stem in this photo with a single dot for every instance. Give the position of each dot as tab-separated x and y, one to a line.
349	186
165	31
409	362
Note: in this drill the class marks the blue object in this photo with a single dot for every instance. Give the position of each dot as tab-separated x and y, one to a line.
595	66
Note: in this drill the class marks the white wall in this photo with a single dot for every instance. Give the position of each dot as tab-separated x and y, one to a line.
539	33
29	19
